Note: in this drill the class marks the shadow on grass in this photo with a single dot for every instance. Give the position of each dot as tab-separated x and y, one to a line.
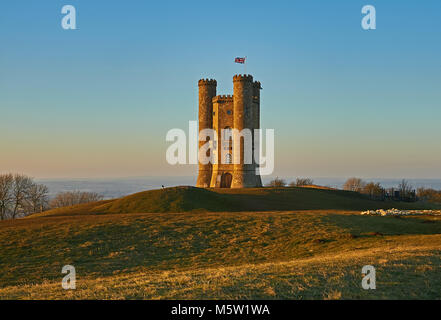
358	225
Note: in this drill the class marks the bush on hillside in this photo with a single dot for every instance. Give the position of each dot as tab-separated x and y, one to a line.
354	184
301	182
428	194
277	183
71	198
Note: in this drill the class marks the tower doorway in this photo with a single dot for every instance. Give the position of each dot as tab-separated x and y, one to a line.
226	180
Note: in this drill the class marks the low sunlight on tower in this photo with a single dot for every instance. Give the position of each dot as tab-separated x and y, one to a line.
223	113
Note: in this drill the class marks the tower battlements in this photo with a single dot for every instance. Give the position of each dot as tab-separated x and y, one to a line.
207	82
224	112
223	98
244	77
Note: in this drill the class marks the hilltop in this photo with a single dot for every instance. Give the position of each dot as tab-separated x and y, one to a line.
191	199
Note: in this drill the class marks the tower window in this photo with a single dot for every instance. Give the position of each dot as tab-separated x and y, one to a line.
227	138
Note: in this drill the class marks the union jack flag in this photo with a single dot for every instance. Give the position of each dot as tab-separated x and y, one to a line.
239	60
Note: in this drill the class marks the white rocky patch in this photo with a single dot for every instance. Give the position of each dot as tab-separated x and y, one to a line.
397	212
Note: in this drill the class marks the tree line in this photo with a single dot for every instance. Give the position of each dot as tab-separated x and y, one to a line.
374	190
20	196
299	182
404	191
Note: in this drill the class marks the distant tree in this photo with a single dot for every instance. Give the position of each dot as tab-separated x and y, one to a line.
19	196
71	198
20	191
354	184
301	182
405	189
374	190
428	194
277	183
37	198
6	182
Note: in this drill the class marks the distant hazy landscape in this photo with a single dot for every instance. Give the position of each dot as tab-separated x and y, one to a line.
118	187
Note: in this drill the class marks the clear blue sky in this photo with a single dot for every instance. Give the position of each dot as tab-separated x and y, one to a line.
98	101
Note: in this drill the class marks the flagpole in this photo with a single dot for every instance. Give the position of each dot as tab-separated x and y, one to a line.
245	64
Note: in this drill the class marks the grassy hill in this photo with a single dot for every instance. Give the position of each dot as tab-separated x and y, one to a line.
284	253
191	199
302	254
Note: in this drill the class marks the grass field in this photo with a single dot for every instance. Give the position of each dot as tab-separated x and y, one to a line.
313	250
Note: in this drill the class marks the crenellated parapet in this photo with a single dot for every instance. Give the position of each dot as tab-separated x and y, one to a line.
207	82
223	98
244	77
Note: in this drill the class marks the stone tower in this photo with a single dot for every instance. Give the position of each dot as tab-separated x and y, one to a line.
224	113
207	91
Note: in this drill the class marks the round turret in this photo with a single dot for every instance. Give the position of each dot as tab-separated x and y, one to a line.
207	91
243	104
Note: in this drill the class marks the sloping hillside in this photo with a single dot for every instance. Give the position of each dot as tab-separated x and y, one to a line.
191	199
313	254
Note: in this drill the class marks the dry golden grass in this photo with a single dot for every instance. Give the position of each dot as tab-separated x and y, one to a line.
314	254
409	272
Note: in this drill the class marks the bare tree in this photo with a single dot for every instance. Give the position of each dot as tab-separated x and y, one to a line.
20	190
374	190
6	182
354	184
301	182
428	194
19	196
37	198
71	198
277	183
405	189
